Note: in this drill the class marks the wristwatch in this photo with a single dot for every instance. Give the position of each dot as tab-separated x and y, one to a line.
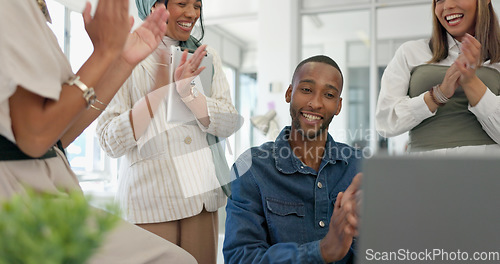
191	96
88	93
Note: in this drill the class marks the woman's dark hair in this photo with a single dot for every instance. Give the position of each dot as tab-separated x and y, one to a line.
197	41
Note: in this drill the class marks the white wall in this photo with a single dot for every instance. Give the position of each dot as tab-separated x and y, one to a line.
228	50
404	22
277	56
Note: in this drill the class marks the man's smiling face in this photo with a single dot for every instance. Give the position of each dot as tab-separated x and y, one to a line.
314	98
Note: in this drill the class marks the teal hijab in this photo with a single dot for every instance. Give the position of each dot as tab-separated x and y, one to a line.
144	7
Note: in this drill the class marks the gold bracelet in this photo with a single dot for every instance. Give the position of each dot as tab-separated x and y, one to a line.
97	100
96	108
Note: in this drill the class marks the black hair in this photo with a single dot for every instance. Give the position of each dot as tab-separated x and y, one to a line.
318	58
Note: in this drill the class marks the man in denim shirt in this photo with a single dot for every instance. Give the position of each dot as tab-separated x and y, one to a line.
292	200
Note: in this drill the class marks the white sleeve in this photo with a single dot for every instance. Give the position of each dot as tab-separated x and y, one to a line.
487	112
396	112
113	129
30	57
29	52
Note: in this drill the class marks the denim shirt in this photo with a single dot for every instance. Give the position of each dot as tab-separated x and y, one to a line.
280	208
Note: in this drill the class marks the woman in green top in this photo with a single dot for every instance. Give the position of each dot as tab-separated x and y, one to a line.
445	91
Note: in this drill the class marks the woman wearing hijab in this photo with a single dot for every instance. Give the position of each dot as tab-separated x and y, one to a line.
169	185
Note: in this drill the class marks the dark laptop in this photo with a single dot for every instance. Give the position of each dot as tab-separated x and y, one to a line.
430	210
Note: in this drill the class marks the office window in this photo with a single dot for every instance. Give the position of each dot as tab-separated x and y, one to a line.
343	30
246	101
414	22
95	171
56	11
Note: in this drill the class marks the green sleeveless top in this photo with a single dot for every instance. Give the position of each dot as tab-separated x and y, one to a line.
453	125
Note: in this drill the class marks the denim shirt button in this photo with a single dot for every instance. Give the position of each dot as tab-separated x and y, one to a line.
321	224
320	185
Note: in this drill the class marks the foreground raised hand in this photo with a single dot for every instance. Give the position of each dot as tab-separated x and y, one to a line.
140	44
110	26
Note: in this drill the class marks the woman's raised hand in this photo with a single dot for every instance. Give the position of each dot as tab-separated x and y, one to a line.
450	81
470	59
145	39
188	69
110	26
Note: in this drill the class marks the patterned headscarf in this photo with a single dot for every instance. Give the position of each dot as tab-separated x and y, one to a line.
45	11
144	7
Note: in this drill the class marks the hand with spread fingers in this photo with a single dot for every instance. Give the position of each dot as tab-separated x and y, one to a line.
145	39
470	59
188	69
467	64
351	202
451	81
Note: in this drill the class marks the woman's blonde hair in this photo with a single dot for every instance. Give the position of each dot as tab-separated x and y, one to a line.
487	33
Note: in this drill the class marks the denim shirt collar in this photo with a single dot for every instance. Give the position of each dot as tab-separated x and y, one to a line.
288	163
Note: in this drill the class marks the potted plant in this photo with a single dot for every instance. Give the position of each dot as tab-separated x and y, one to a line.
45	228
